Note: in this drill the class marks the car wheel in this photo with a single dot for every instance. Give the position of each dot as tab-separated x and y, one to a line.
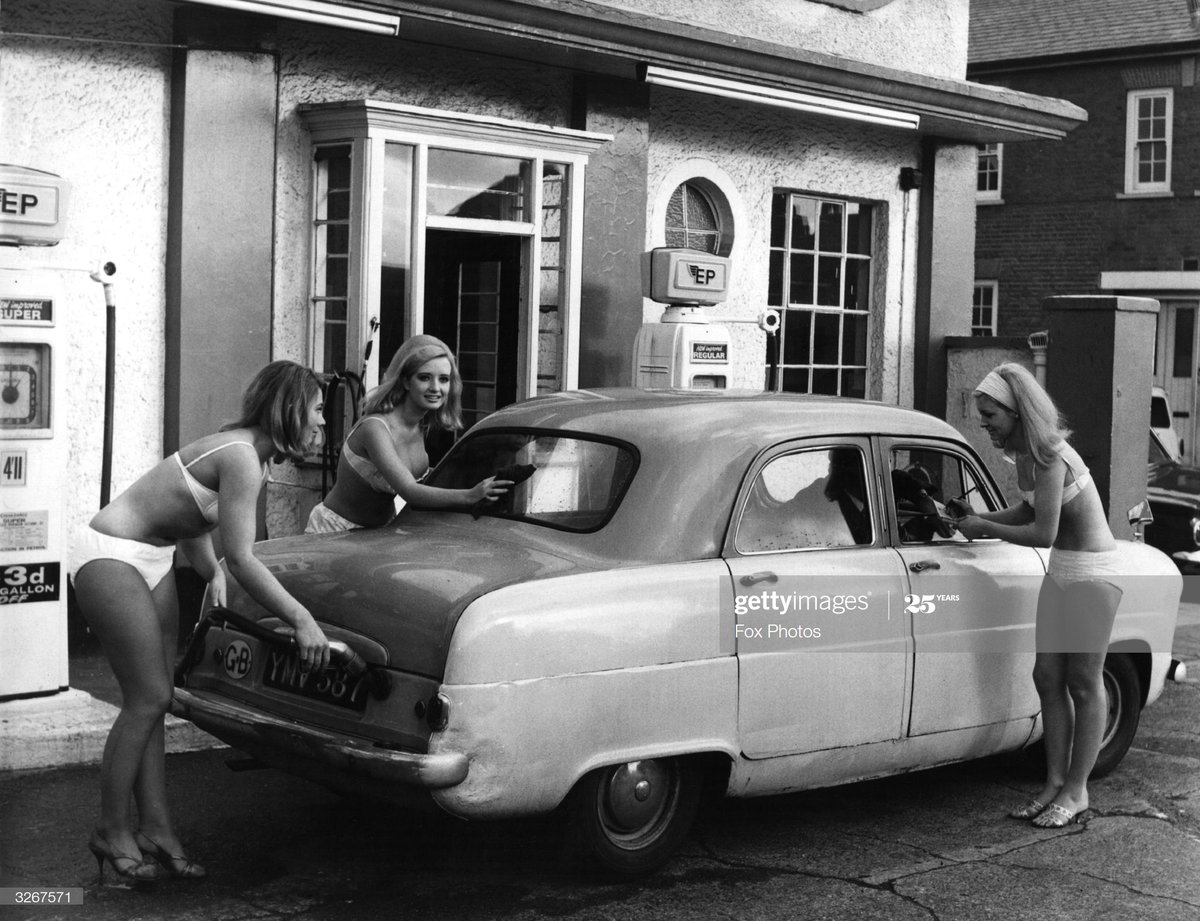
1123	694
626	820
1123	690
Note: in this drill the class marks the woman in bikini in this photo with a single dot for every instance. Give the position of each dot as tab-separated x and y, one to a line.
384	455
1078	599
124	582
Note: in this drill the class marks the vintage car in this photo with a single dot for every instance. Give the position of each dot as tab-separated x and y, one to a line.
733	592
1173	491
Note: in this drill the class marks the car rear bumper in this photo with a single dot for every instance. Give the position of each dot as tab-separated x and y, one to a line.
284	740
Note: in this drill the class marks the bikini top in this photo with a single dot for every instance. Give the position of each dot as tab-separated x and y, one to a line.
363	466
1080	476
204	497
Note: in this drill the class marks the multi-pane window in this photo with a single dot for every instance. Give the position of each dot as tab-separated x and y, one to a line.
1148	141
820	278
987	176
331	252
692	220
983	309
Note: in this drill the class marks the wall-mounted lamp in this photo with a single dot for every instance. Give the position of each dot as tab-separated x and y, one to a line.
777	96
325	14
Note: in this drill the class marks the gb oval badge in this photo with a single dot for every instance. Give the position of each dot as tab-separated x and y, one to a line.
237	659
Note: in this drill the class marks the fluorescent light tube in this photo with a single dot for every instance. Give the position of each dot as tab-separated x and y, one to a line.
325	14
777	96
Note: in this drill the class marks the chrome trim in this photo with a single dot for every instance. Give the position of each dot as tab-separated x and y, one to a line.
233	723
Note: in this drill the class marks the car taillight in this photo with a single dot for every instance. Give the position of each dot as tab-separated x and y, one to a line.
1196	531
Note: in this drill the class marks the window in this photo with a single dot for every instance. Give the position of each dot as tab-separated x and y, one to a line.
570	483
923	482
465	227
820	275
983	308
692	220
987	177
1148	141
331	252
807	500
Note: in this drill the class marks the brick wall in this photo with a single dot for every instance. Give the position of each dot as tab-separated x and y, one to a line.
1061	222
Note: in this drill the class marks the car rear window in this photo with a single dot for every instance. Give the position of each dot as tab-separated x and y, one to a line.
567	481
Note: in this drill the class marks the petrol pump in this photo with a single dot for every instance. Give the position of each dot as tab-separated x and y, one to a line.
683	350
33	438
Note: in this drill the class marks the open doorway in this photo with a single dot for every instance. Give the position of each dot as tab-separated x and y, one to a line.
1178	365
473	304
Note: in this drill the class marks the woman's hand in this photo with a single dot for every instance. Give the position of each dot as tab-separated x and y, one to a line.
312	644
217	589
971	527
488	490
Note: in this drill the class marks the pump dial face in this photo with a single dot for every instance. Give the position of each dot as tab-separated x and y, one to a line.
24	386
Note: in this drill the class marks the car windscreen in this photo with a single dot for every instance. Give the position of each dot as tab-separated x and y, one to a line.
563	479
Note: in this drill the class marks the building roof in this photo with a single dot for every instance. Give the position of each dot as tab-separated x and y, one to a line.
1016	30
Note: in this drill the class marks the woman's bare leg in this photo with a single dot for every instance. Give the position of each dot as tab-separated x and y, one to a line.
120	608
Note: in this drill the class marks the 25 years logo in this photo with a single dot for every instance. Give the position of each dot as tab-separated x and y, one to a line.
925	604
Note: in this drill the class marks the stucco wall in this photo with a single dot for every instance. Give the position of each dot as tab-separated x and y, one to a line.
95	113
761	151
328	66
923	36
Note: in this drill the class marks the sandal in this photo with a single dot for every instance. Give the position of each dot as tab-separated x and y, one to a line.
1056	816
1028	811
180	866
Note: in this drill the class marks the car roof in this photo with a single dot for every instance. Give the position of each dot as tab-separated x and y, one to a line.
742	415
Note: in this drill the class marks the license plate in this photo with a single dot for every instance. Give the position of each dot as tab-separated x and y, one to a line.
333	686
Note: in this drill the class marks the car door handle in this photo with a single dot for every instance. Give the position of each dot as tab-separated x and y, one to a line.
922	565
755	577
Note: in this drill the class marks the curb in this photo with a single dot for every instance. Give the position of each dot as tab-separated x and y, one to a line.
70	728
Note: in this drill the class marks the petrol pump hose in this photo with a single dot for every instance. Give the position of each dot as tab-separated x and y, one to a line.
110	350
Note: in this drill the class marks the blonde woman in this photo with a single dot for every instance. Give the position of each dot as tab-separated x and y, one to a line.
384	454
1061	509
122	570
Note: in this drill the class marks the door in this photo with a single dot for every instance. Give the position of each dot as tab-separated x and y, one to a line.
972	603
1178	366
472	303
822	641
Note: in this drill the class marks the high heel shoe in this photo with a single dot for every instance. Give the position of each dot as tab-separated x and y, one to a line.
130	869
181	866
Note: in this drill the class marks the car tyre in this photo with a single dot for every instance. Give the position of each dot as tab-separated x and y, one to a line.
1123	689
627	820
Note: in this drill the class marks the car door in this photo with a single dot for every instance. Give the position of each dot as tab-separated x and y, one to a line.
823	645
972	603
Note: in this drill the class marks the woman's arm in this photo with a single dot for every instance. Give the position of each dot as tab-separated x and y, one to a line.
382	453
240	479
202	556
1022	525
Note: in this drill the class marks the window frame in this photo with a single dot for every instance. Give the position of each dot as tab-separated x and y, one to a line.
367	126
983	152
787	307
993	287
1133	185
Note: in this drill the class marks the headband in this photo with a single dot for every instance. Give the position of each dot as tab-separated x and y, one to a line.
996	387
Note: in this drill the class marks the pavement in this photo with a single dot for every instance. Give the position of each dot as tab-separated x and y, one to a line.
70	727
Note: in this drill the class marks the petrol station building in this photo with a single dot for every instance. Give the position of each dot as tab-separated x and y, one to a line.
319	180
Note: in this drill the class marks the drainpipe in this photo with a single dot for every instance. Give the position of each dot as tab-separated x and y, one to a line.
1037	344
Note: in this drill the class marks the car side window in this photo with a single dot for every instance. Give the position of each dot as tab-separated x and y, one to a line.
927	484
807	499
